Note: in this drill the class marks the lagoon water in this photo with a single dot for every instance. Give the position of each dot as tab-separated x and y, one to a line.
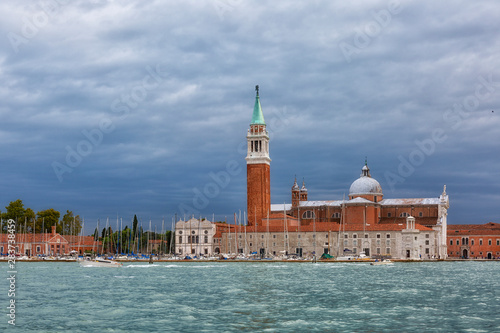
261	296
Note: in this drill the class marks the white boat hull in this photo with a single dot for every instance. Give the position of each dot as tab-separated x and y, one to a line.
100	263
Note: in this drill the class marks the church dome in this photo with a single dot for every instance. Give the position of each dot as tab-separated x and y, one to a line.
365	184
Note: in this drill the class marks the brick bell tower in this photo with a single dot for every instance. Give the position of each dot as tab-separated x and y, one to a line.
258	167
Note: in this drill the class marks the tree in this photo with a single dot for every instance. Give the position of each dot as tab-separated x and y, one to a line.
71	225
30	216
48	218
16	212
134	225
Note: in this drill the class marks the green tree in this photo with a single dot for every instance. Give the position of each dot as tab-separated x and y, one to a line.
134	226
48	218
15	211
71	225
30	216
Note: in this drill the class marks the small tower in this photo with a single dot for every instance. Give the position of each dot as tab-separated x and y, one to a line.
258	166
303	191
295	193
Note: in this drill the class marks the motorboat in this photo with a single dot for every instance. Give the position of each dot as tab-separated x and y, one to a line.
99	262
381	262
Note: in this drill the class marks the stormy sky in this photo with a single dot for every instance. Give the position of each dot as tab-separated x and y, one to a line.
116	108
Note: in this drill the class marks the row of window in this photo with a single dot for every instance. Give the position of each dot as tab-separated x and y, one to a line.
405	214
465	241
309	214
193	239
194	232
38	248
472	253
256	146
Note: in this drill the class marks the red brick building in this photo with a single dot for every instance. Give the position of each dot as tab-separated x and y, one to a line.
46	244
474	241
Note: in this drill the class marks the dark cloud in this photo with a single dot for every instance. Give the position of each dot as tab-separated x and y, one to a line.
165	90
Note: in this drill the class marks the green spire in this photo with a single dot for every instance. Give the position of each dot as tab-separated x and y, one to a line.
258	116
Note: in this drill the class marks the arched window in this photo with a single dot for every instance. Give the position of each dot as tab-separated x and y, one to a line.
180	239
405	214
308	214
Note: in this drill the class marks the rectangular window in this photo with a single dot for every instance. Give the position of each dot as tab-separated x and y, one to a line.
426	242
388	214
420	214
388	250
355	243
354	236
426	235
298	236
388	235
366	235
480	242
458	242
378	250
388	243
378	235
346	236
274	236
471	242
345	243
427	250
498	241
354	250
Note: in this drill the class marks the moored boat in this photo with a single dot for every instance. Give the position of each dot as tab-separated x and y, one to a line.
382	262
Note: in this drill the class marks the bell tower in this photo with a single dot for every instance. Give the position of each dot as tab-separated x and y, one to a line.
258	166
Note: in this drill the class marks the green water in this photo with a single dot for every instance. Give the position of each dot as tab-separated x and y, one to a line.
272	297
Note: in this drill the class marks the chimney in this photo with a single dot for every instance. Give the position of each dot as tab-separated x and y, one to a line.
53	230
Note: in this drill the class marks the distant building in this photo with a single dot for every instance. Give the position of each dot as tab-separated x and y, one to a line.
474	241
195	237
52	244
